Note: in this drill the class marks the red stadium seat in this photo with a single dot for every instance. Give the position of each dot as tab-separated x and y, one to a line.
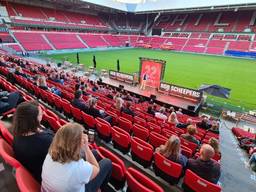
167	169
188	144
118	171
125	124
154	127
6	134
121	139
25	181
58	103
77	114
66	106
194	183
140	121
104	129
114	116
140	132
136	182
156	139
88	120
7	154
141	151
127	116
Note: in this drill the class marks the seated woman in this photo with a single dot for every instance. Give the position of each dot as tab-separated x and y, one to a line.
215	127
119	103
43	85
31	141
18	71
191	131
173	118
64	169
171	150
93	111
215	145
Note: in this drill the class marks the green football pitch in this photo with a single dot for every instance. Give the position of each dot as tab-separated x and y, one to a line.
189	70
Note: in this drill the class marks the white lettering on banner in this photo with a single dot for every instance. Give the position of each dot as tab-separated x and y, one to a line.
184	91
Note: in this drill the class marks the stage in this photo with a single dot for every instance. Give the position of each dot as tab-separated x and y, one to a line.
177	102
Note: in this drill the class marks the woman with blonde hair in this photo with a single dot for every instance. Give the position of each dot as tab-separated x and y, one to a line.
119	103
173	118
64	169
215	145
171	150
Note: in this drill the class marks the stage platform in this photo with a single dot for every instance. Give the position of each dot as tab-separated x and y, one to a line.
160	98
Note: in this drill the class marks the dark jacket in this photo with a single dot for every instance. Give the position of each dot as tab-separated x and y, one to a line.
80	104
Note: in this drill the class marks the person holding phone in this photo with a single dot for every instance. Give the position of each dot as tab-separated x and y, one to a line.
64	168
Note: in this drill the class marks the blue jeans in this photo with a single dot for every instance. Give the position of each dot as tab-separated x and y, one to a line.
252	159
101	180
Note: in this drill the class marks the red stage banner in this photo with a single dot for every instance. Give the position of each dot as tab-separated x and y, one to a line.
154	69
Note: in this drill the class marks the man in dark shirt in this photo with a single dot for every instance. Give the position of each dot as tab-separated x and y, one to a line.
205	166
78	102
204	124
127	109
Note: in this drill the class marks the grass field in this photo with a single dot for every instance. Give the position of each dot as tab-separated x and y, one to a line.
189	70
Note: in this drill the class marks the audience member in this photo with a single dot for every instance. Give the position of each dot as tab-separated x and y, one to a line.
64	169
185	125
215	145
179	111
161	114
119	103
189	136
78	101
9	100
150	110
18	71
173	118
31	141
215	127
204	124
252	161
96	112
42	83
205	166
171	150
127	109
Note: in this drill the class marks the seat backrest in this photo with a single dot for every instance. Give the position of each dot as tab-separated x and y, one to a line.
103	126
157	139
88	119
188	144
140	121
127	116
76	113
142	149
140	132
154	127
125	124
6	133
25	181
7	154
138	182
120	136
119	168
198	184
169	167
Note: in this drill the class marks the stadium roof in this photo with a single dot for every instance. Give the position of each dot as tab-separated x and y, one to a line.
167	5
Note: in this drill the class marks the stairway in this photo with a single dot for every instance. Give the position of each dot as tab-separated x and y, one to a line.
82	41
49	43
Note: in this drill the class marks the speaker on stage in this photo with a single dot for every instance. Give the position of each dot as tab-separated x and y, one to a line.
191	107
153	97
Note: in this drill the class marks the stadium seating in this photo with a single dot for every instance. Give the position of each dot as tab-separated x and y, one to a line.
6	134
104	129
168	170
141	151
121	139
136	181
193	183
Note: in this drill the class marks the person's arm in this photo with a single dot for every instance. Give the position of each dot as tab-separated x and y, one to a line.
90	158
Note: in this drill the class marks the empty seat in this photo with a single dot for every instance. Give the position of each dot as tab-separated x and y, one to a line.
194	183
154	127
167	169
88	120
6	134
7	154
118	176
77	114
156	139
140	132
189	144
125	124
104	129
140	121
121	139
25	181
141	151
136	182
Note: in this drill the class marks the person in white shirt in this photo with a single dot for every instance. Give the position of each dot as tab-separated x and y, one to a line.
161	114
64	169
